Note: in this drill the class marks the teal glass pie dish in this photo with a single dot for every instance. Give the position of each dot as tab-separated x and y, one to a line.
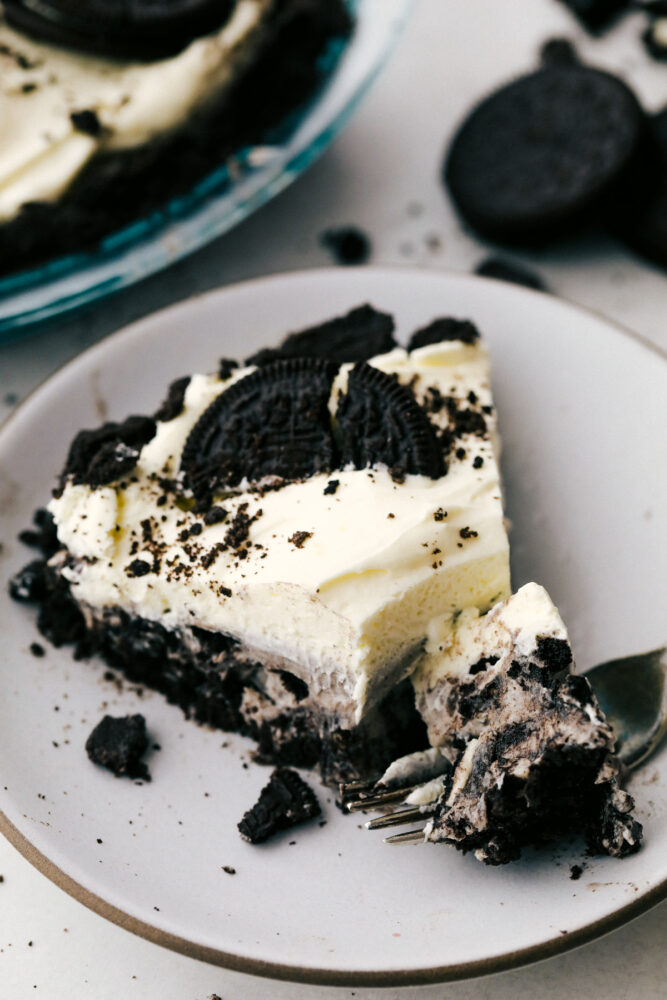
221	199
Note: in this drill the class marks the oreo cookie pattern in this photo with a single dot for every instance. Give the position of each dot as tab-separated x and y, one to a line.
545	153
273	422
379	420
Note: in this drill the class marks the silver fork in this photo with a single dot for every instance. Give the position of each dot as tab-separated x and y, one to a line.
631	691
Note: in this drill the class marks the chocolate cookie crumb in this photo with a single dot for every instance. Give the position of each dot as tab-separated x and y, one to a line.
229	870
286	801
558	52
87	122
348	245
118	744
172	405
36	649
468	533
444	328
215	515
299	538
331	487
576	871
138	567
225	368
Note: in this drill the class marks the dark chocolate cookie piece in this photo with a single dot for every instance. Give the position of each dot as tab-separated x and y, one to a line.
379	420
507	270
558	52
444	328
172	406
357	336
641	220
347	244
544	154
119	744
273	422
286	801
596	14
127	29
101	456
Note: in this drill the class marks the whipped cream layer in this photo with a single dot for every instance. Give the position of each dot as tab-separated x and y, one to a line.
487	643
42	85
344	585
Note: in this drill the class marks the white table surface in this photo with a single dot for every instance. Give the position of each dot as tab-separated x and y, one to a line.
382	175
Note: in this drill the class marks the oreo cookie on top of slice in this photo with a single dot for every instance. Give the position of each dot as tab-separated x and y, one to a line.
274	422
545	153
379	420
360	334
127	29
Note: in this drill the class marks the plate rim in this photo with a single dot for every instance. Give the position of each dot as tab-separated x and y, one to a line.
283	971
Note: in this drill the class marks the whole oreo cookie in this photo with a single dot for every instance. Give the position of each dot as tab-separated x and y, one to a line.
642	223
130	29
379	420
545	153
273	422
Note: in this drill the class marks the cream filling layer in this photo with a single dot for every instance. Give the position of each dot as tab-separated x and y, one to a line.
41	85
351	605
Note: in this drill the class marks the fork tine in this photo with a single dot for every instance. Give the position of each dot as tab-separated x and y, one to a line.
383	798
396	818
409	837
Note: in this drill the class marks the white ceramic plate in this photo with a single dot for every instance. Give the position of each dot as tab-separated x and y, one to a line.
580	405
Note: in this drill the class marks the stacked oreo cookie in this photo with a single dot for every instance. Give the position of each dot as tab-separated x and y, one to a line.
556	151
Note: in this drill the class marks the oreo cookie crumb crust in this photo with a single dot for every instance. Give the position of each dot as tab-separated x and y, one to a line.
545	154
285	802
357	336
506	270
119	744
348	245
120	188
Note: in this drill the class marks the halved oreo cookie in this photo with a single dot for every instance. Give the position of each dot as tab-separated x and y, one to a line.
132	29
545	153
273	422
379	420
360	334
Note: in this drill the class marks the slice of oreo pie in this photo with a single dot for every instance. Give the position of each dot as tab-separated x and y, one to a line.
127	29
